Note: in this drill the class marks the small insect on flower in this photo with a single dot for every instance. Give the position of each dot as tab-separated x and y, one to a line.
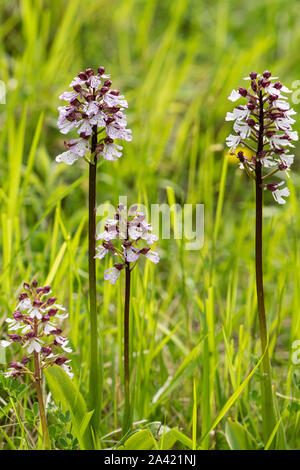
135	239
35	326
95	111
265	120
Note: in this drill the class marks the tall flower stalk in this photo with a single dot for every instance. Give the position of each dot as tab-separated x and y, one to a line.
95	112
135	240
264	126
34	326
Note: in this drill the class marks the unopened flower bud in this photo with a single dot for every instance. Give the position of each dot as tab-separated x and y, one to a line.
51	301
243	92
267	74
23	296
83	76
101	70
253	75
60	360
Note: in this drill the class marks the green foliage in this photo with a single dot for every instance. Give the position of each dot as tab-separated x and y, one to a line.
66	393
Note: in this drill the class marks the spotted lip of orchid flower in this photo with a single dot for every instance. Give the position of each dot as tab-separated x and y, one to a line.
34	326
266	98
91	107
134	237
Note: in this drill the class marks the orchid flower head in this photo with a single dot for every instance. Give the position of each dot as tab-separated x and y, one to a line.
95	112
128	236
263	124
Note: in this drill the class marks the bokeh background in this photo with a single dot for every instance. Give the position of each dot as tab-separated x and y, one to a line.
194	315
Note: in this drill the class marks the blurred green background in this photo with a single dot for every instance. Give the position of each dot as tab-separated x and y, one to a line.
176	61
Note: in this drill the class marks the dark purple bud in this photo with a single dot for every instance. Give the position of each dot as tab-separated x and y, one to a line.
37	303
52	312
273	98
77	88
51	301
251	122
270	134
243	92
241	156
34	283
30	334
83	76
89	97
26	286
60	360
108	140
45	318
16	365
253	75
23	296
282	166
278	85
90	72
251	106
104	90
114	92
99	148
254	85
144	251
46	350
114	109
75	102
39	290
272	186
16	338
18	315
101	70
119	266
267	74
110	119
276	115
57	331
107	83
47	289
25	360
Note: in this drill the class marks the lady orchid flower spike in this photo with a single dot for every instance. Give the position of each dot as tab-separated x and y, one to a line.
132	230
95	112
129	237
264	126
35	327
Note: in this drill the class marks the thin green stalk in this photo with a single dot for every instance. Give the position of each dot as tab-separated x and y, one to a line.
268	409
37	383
127	407
94	382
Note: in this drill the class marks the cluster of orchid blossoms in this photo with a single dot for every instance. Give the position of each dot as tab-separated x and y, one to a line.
35	327
266	120
96	112
135	237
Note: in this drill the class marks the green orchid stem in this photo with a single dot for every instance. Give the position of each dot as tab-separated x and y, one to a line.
127	407
94	382
268	409
37	383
